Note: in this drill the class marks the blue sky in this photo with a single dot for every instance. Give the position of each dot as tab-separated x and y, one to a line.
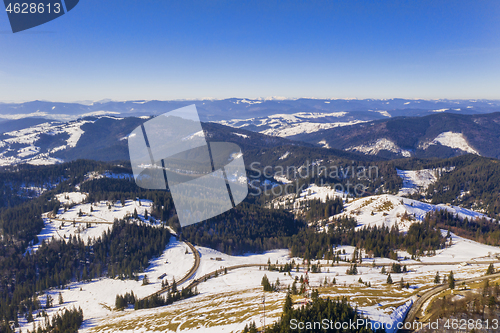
159	49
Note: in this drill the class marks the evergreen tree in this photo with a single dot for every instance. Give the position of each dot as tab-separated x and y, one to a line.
490	270
451	280
389	279
48	302
437	278
266	284
287	307
174	286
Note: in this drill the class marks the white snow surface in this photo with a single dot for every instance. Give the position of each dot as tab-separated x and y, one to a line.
285	125
455	141
389	321
452	140
28	138
61	226
416	180
241	135
285	155
419	180
324	144
381	144
97	298
389	210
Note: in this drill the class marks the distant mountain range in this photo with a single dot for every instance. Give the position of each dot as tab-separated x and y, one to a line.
40	132
241	108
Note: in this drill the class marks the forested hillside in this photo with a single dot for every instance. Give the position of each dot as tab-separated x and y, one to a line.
414	134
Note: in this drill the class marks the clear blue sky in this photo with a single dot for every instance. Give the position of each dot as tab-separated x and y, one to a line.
159	49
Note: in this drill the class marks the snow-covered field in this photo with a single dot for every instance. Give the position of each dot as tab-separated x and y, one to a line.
97	298
228	302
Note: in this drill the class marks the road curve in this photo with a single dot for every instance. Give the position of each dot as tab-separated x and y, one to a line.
417	306
186	277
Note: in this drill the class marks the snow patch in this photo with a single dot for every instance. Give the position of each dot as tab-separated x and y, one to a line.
381	144
455	141
241	135
285	155
285	125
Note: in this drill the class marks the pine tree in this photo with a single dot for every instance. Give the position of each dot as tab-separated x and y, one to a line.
389	279
265	283
490	270
29	318
451	280
48	302
437	278
61	301
174	286
287	307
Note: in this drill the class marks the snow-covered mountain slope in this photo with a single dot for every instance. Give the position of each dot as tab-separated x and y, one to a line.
415	181
105	139
97	298
388	210
452	140
376	147
100	215
29	145
285	125
381	210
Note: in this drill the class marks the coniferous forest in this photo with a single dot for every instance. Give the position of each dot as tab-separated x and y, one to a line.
125	250
318	316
